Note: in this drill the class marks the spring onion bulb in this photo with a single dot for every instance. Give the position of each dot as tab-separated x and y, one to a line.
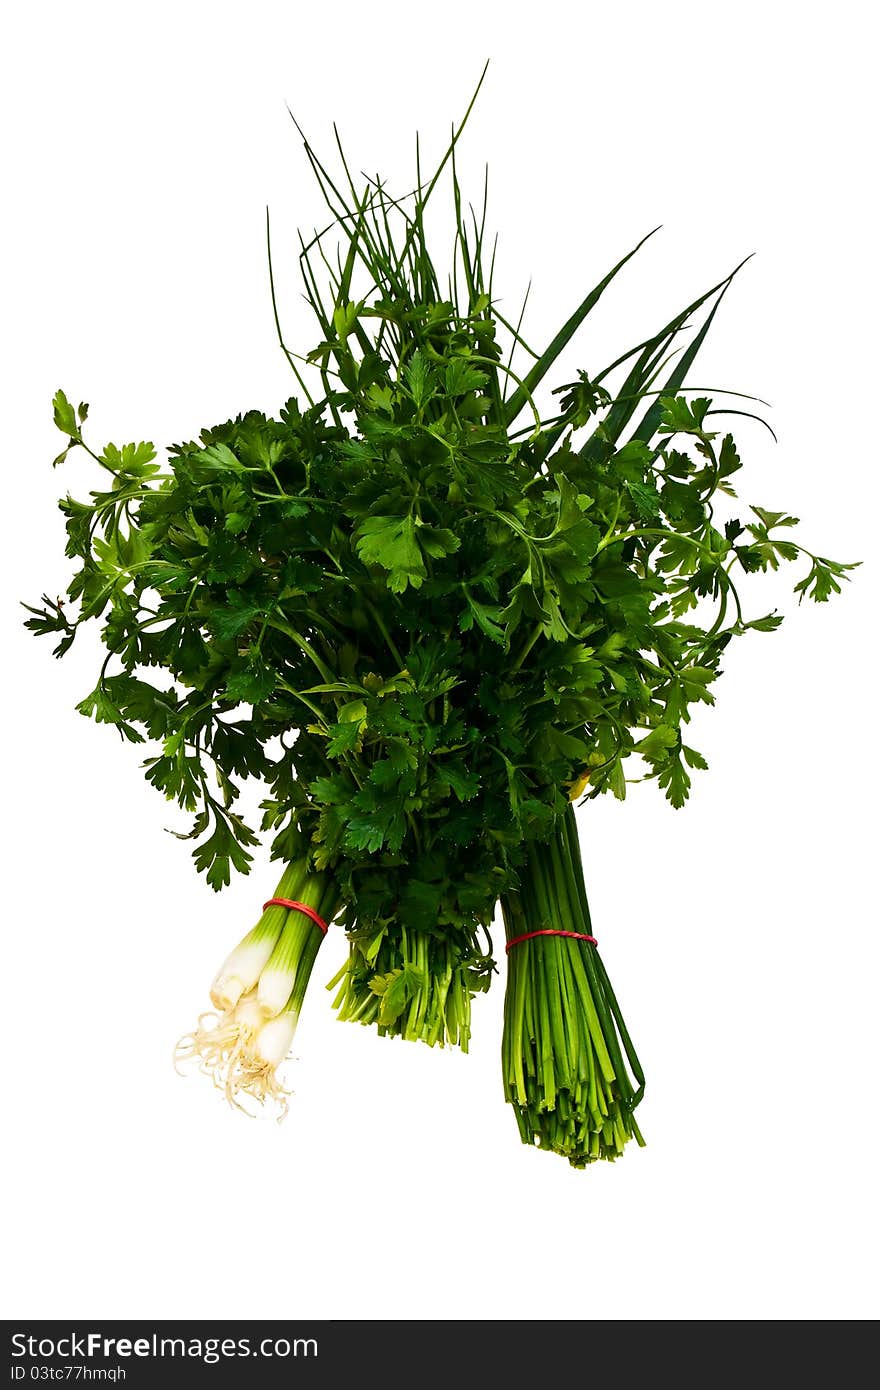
258	994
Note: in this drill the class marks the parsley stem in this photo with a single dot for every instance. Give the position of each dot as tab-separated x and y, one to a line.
380	623
291	690
606	539
536	633
304	646
658	531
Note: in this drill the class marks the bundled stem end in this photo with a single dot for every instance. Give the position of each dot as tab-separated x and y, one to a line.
418	986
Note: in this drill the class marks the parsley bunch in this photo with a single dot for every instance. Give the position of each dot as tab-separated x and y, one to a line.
420	609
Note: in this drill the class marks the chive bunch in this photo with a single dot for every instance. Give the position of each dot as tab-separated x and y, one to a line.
566	1053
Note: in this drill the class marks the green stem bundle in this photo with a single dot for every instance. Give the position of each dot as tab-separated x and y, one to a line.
416	986
567	1058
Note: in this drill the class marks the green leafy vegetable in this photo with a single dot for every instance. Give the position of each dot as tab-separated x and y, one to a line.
420	611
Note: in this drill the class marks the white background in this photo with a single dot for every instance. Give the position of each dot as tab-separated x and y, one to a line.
142	144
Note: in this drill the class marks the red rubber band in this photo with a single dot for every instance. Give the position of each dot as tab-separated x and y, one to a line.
575	935
298	907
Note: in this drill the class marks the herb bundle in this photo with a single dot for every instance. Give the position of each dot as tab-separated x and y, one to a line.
427	615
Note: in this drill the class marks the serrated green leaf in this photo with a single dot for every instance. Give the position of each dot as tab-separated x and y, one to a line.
461	377
390	542
772	519
223	851
437	541
343	739
675	781
487	618
821	581
646	499
100	706
64	415
132	460
238	612
465	784
657	742
767	624
694	759
419	379
250	681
